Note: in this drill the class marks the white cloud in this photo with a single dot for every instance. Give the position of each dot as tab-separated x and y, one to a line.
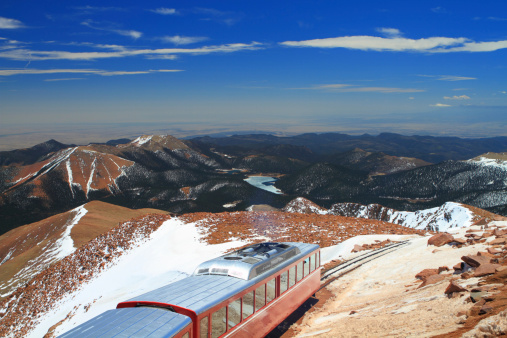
183	40
378	43
389	32
33	55
67	79
455	78
164	11
347	88
6	23
440	105
131	33
395	43
11	72
455	97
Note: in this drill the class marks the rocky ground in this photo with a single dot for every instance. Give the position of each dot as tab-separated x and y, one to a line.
449	286
325	230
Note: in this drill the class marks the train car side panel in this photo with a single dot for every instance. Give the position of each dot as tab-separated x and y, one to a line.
264	321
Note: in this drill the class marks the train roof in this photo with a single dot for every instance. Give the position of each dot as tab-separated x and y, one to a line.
202	291
249	262
132	322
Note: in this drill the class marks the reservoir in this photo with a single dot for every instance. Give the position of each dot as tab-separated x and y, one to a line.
264	182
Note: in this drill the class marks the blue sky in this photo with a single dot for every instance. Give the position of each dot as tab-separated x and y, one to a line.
427	67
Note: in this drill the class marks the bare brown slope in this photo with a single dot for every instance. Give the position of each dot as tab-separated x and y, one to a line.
101	217
325	230
27	245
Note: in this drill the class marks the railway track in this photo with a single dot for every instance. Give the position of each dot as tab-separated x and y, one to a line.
334	273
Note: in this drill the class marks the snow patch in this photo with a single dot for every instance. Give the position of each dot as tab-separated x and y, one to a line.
142	140
65	245
171	253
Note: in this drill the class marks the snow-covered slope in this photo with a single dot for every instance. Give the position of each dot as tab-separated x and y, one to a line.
36	250
169	253
447	216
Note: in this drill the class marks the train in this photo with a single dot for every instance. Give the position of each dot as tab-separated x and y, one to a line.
245	293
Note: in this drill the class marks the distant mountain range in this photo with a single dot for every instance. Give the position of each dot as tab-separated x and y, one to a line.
427	148
197	175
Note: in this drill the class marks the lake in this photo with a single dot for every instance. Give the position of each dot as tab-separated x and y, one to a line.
264	182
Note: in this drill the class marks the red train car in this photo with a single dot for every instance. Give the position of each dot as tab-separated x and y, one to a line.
246	293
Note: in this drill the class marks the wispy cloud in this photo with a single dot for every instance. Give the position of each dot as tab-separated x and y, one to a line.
440	105
395	43
348	88
6	23
389	32
66	79
183	40
450	78
438	10
130	33
34	55
456	97
455	78
226	17
164	11
24	71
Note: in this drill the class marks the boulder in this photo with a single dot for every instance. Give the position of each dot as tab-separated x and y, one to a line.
500	232
440	239
485	254
475	261
493	250
498	241
459	266
485	269
442	269
358	248
454	287
485	309
501	268
433	279
460	240
426	273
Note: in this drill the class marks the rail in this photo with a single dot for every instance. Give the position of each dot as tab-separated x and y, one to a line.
358	261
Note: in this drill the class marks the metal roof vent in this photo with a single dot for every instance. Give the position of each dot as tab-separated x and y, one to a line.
251	261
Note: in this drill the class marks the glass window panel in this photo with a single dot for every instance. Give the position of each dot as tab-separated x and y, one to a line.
292	276
283	282
248	304
299	272
318	259
204	327
271	290
260	297
186	335
312	262
218	323
306	265
234	316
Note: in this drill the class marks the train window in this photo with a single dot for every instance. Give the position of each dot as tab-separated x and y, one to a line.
306	266
248	304
234	315
260	297
186	335
283	282
292	276
299	272
204	327
312	262
318	259
271	290
218	323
